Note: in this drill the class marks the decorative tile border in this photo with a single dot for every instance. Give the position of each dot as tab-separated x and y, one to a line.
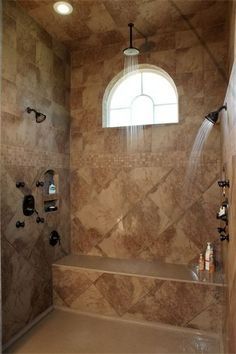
12	155
140	160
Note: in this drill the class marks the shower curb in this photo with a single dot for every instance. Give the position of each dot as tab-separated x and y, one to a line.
27	328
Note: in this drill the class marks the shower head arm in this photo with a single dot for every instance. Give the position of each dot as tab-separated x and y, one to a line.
213	116
131	25
221	108
40	117
29	110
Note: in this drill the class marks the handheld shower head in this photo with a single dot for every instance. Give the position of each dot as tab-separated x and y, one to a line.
39	117
213	116
131	51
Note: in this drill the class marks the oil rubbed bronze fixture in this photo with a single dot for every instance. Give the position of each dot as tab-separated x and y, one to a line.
28	205
20	184
20	224
54	238
131	51
224	183
224	237
28	208
213	116
222	215
40	117
39	184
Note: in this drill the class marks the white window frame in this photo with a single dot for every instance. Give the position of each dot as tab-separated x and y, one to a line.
116	81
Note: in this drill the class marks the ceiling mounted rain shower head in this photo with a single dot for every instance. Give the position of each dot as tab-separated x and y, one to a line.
131	51
213	116
40	117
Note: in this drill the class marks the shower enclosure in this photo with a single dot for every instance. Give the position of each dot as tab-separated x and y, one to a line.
118	234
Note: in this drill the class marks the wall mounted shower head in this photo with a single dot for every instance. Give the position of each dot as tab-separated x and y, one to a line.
131	51
213	116
40	117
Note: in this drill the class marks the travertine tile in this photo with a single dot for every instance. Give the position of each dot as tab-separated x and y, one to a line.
69	284
83	333
92	301
28	150
229	163
186	39
9	63
189	60
190	298
139	297
124	203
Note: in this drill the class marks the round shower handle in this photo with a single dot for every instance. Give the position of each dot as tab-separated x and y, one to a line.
20	224
224	183
39	220
221	229
39	184
224	238
54	238
20	184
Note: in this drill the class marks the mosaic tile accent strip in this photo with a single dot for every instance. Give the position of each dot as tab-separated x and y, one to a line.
13	155
176	159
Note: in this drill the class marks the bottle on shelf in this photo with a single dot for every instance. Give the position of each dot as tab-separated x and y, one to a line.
52	187
201	262
208	253
212	263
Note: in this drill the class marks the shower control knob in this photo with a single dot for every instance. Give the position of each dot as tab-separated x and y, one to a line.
224	238
39	220
39	184
221	229
223	183
20	224
54	238
20	184
225	203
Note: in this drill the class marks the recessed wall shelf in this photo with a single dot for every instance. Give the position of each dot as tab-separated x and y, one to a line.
51	183
51	205
49	197
51	192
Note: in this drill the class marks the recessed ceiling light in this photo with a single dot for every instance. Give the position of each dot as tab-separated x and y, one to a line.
63	8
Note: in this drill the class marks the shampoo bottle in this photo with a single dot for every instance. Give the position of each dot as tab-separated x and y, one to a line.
201	262
52	187
208	253
212	263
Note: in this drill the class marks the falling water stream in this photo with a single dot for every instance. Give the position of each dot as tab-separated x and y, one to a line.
134	133
194	164
130	63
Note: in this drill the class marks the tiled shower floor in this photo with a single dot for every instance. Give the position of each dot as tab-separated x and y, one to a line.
66	332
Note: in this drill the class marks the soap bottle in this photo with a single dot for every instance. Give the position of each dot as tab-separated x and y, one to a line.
212	263
201	262
52	187
208	253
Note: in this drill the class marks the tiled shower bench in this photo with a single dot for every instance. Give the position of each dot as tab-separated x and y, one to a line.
139	290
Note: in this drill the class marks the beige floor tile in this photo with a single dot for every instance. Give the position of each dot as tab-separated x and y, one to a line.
66	332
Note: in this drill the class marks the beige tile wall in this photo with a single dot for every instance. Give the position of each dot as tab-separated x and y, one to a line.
139	298
228	129
132	204
35	73
127	205
229	164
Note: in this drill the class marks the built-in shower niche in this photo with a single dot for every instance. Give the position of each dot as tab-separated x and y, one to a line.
51	196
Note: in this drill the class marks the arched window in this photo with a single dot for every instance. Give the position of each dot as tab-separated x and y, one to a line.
145	96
